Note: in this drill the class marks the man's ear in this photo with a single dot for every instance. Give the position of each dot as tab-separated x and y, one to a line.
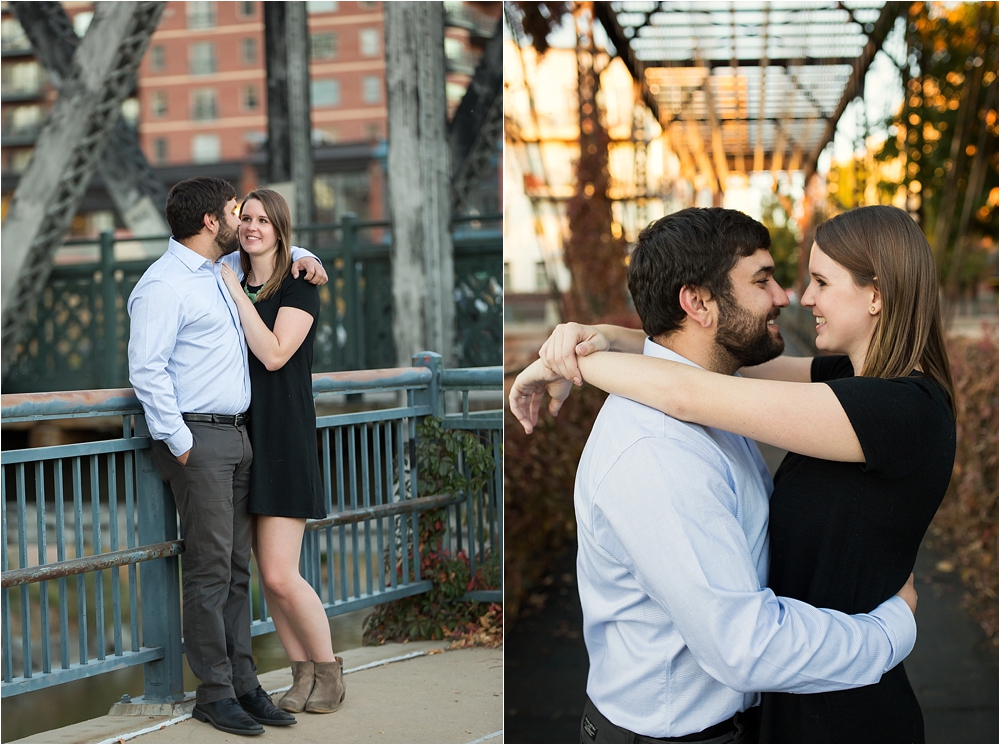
210	222
698	304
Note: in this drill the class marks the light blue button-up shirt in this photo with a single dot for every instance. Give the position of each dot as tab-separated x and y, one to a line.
680	627
186	349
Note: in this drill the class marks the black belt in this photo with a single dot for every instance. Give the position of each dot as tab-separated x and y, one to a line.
234	420
736	724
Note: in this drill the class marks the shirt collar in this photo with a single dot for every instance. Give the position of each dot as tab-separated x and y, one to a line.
652	349
191	259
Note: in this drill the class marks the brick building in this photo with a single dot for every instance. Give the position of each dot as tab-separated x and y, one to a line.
200	104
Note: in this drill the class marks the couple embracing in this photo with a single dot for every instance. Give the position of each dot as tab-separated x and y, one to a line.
719	607
220	355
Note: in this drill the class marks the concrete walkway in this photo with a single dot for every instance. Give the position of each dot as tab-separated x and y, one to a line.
412	693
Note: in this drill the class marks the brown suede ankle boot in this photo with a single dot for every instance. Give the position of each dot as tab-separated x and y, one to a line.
329	690
302	685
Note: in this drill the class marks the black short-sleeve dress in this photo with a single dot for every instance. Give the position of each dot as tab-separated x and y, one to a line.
845	536
284	478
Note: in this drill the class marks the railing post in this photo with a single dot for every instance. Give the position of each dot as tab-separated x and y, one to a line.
109	296
432	395
161	594
352	305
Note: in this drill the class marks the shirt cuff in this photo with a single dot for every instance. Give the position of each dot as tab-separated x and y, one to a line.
298	252
180	441
899	624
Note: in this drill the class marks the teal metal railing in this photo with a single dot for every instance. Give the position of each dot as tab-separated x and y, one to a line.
77	337
91	540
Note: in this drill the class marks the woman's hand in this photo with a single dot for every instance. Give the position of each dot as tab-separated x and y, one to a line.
566	342
530	387
232	282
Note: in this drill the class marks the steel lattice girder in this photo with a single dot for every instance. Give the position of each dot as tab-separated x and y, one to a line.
72	140
136	191
761	80
478	123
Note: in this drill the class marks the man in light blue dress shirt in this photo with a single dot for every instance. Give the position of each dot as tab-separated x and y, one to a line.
680	627
188	366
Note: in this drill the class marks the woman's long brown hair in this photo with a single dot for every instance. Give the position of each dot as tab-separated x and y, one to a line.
882	247
276	209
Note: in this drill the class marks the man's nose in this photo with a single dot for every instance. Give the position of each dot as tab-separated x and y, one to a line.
780	299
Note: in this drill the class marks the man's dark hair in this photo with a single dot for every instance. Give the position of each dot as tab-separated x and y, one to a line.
190	200
697	247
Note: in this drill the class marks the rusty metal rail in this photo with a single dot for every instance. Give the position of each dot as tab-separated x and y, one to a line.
82	521
73	567
420	504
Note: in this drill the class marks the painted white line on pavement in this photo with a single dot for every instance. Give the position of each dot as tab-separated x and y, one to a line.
154	728
484	738
183	717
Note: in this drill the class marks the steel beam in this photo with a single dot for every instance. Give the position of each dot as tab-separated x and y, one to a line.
856	84
135	190
718	148
423	272
289	127
72	140
475	131
604	13
754	63
758	151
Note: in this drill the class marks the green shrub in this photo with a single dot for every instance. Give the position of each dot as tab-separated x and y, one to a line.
448	461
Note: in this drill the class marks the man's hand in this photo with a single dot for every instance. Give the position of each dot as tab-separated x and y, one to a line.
315	273
567	341
909	594
183	457
529	388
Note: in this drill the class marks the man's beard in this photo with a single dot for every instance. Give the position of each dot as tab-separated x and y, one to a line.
743	338
227	242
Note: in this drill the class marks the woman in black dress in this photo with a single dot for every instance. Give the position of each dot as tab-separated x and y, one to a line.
278	314
870	435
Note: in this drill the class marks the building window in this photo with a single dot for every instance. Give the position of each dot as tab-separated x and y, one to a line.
22	78
323	46
20	159
373	131
368	41
250	99
246	10
319	6
325	92
203	106
81	22
371	89
205	149
541	276
158	58
200	14
203	58
367	5
248	49
158	104
12	36
160	152
22	121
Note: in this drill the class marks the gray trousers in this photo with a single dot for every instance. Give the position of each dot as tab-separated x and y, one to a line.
212	494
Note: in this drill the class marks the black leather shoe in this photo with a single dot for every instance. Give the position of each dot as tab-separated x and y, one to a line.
227	715
259	706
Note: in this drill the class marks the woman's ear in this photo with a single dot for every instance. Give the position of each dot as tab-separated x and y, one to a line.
876	304
697	303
